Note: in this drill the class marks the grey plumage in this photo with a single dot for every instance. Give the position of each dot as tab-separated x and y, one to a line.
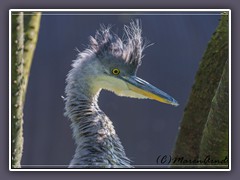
98	145
129	49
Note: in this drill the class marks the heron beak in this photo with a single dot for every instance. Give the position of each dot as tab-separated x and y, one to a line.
149	91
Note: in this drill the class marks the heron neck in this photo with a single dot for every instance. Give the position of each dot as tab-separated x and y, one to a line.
97	142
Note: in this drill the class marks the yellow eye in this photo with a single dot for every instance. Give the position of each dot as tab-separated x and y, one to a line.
115	71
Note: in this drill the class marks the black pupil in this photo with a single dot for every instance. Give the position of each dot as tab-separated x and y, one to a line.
115	71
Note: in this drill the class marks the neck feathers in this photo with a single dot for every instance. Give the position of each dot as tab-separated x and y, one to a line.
98	146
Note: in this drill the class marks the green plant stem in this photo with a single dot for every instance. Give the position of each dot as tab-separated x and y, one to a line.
17	89
31	24
203	91
24	38
215	135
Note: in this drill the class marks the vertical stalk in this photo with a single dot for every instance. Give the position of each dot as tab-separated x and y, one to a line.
214	144
31	24
199	103
24	30
17	88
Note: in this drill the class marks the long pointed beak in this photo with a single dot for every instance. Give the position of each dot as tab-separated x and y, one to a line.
149	91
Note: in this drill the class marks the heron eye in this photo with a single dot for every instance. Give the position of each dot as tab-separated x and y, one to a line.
115	71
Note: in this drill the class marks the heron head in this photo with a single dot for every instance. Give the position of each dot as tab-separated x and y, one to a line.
117	63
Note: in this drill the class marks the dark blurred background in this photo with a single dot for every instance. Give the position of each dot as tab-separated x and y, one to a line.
146	128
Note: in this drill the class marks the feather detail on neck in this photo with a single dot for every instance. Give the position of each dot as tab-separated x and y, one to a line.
98	145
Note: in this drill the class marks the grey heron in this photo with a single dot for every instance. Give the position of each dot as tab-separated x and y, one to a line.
109	63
